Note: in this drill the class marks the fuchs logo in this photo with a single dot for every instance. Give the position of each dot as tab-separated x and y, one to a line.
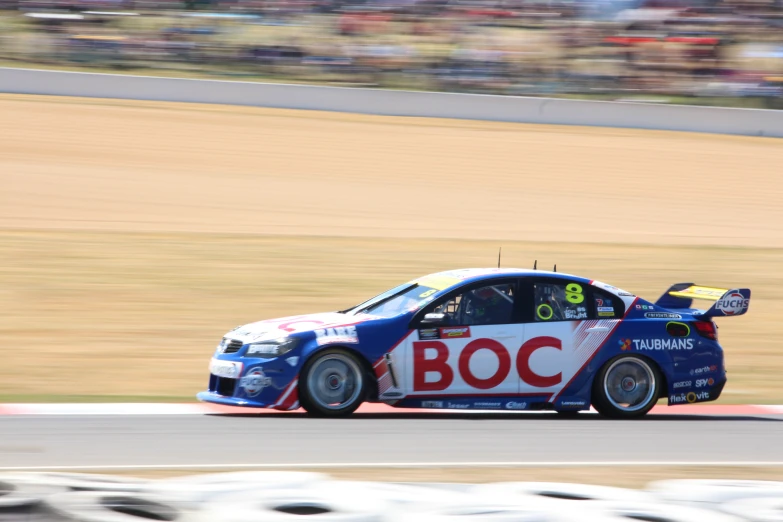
701	383
663	344
732	304
254	382
625	344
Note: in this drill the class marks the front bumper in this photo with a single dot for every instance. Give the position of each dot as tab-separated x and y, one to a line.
252	383
208	396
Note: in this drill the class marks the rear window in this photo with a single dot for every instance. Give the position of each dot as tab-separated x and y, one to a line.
606	306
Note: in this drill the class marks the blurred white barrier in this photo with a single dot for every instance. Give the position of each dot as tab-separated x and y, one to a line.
288	496
330	501
659	512
757	509
18	491
198	489
562	491
81	481
748	122
110	506
713	492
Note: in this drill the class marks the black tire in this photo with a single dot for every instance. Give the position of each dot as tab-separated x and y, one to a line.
619	379
333	383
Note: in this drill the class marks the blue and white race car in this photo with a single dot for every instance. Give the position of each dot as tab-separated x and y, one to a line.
485	339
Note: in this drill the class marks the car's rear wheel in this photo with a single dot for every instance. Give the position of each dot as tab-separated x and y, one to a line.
333	383
626	387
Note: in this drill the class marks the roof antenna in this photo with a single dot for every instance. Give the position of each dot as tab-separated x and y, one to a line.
535	263
499	250
555	270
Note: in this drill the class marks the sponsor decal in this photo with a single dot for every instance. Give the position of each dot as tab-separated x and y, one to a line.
338	334
662	315
573	403
254	382
599	302
701	383
579	313
516	405
732	304
226	369
638	307
682	384
455	332
704	369
424	364
605	314
488	405
625	344
426	334
663	344
606	309
431	404
457	405
689	397
625	294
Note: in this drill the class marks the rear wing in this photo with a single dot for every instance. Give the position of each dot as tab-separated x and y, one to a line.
728	303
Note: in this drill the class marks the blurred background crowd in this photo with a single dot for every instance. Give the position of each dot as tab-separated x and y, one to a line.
720	52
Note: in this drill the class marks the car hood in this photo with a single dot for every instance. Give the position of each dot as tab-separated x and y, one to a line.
275	328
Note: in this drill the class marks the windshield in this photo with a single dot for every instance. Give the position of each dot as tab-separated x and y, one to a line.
396	301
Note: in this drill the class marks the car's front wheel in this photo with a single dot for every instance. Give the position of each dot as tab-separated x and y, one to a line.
626	387
332	383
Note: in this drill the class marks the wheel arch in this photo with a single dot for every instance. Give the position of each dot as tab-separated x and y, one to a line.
652	363
372	380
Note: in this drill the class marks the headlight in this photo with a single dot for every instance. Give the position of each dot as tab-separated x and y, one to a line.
272	347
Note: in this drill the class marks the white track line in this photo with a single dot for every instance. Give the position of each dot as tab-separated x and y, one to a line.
345	465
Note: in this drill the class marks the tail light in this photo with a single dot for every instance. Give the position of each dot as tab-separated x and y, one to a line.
707	329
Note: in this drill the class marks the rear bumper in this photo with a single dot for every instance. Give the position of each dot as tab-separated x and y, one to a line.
693	396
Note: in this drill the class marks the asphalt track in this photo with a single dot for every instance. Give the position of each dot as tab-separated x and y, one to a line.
217	440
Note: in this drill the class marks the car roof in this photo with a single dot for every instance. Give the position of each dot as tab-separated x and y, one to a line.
452	278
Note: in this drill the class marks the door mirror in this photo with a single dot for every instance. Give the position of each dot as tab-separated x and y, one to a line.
433	320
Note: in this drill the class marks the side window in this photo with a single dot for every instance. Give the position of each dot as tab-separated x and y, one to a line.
493	304
607	306
560	301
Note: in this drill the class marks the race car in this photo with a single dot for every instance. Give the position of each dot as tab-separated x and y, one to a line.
484	339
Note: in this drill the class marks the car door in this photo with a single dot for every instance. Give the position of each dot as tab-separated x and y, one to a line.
563	332
472	351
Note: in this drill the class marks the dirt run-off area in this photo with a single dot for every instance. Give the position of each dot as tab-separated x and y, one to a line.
134	234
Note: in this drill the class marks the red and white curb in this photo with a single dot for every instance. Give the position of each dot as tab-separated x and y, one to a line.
370	408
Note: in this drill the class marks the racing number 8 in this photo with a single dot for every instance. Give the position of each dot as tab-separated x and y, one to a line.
574	293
